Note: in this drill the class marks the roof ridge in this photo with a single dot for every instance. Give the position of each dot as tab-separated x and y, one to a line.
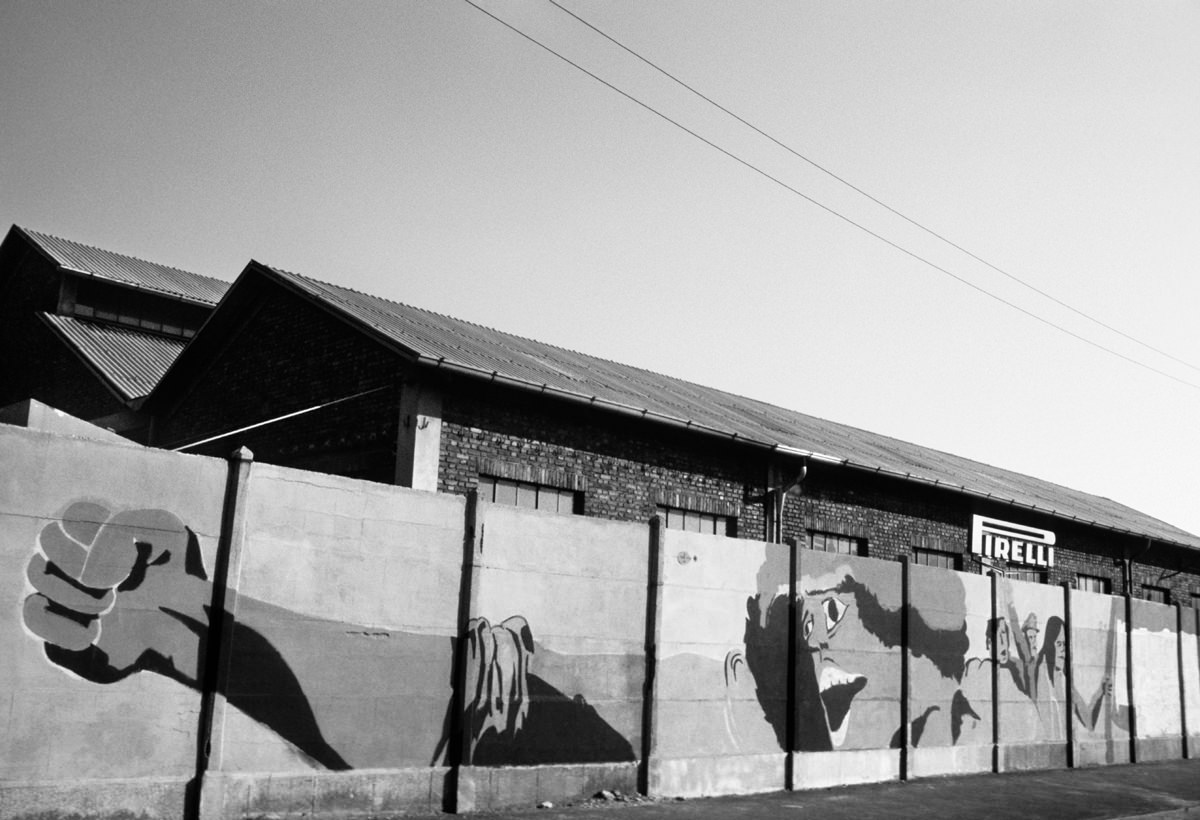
39	234
529	339
766	405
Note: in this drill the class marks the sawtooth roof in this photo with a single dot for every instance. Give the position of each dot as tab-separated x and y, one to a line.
131	361
129	270
438	341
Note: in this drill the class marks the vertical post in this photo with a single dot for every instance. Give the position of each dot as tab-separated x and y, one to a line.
654	596
1183	722
203	800
993	627
1068	673
459	795
905	609
1129	672
793	680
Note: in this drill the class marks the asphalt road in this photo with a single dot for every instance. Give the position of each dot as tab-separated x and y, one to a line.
1162	790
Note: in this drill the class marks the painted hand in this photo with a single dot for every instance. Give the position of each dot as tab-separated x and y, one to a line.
498	667
115	594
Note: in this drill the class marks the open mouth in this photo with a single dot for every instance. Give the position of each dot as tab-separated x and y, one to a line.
838	688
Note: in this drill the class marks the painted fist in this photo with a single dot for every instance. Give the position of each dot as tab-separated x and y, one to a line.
117	593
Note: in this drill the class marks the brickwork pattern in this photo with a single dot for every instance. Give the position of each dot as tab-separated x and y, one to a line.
892	517
293	356
627	466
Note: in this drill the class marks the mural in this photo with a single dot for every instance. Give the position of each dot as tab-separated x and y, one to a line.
847	658
514	717
115	594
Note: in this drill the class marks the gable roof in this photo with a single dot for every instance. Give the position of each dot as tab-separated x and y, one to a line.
128	270
131	362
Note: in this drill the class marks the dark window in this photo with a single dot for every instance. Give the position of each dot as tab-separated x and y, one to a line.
527	494
105	302
1159	595
1093	583
1037	576
1196	600
936	558
692	521
831	542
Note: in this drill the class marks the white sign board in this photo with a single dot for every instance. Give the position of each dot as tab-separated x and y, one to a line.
998	540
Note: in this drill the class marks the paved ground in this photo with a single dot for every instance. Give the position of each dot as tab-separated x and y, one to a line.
1158	790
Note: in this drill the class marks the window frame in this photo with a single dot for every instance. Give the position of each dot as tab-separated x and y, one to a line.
708	523
489	488
953	559
858	544
1084	582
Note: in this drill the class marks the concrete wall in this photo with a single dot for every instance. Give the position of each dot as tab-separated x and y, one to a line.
99	687
193	637
1157	694
720	691
555	659
1099	679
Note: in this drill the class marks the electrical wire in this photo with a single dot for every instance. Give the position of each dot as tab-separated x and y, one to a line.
824	207
869	196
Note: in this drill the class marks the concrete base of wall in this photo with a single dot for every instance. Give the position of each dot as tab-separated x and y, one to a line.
820	770
1159	748
151	799
481	788
361	793
1101	752
1025	756
708	776
938	761
1193	747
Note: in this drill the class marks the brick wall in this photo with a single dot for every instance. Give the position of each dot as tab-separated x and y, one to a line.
891	515
628	467
290	356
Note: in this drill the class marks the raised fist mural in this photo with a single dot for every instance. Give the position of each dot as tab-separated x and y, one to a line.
115	594
120	593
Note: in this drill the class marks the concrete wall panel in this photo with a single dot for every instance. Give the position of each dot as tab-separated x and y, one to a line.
849	653
1190	652
348	591
1032	699
720	714
1098	666
950	668
559	607
1155	662
112	691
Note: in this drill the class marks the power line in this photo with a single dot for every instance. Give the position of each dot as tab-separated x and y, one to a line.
864	193
821	205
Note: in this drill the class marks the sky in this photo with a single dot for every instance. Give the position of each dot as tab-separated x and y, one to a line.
427	153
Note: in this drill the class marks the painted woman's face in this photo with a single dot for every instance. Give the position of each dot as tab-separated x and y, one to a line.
1060	651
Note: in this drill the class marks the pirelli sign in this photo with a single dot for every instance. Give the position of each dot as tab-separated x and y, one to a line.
998	540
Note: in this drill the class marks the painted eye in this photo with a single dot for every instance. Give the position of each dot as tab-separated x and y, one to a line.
807	627
835	610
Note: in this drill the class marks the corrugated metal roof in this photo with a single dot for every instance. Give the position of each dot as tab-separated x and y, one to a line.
132	361
131	271
443	341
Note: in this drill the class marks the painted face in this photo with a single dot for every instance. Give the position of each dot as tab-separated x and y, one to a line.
1031	633
1060	651
827	611
1003	641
